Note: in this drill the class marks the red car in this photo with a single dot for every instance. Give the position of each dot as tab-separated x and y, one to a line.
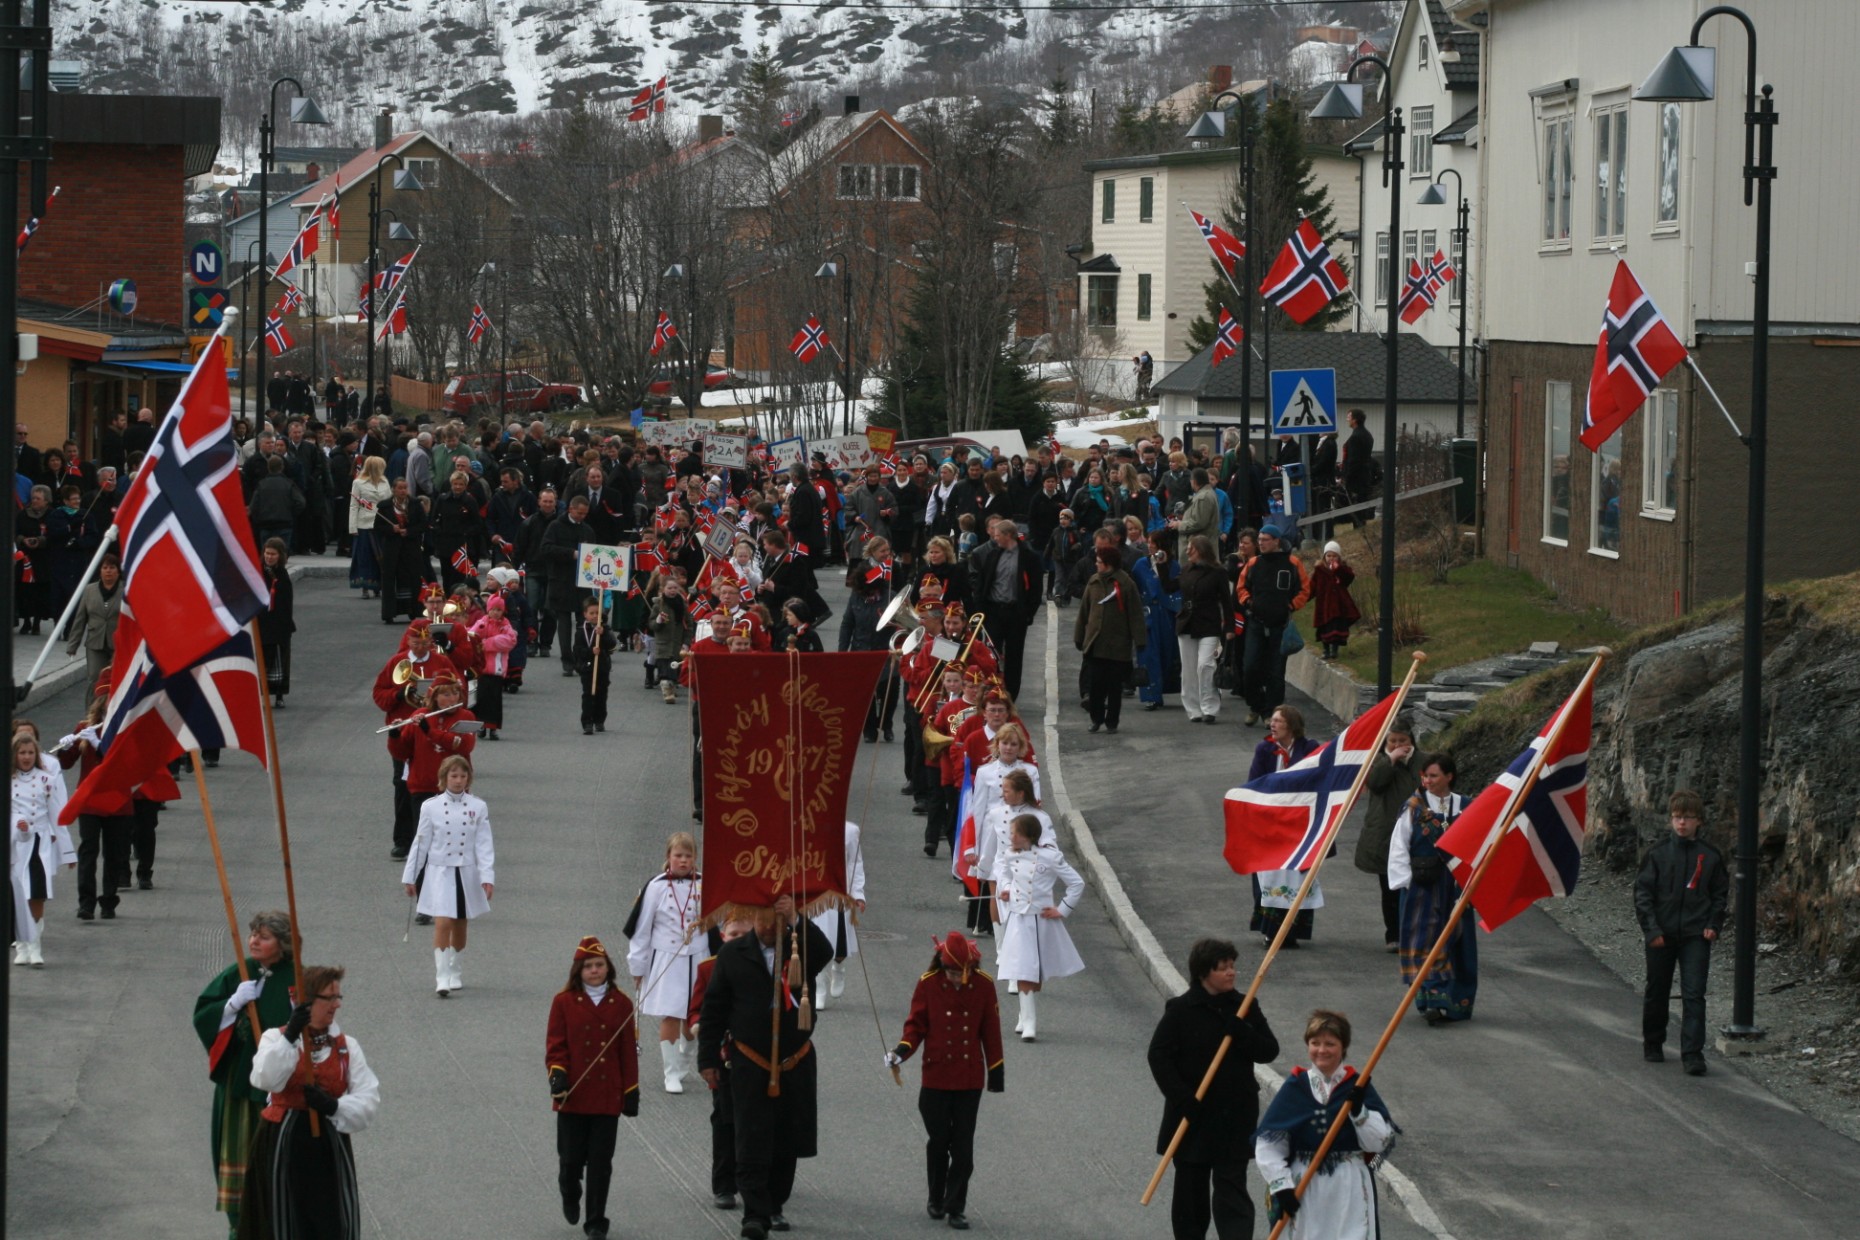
523	393
714	377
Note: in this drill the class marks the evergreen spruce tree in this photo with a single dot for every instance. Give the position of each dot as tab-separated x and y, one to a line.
1062	123
916	384
759	99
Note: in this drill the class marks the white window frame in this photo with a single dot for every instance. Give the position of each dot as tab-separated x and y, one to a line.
1410	253
869	182
1556	119
1608	115
1552	387
1665	168
1456	242
1382	269
1596	460
426	171
1660	420
1424	51
1421	143
862	182
1095	281
884	175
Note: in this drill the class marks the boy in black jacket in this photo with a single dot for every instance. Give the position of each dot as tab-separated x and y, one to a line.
1680	897
593	652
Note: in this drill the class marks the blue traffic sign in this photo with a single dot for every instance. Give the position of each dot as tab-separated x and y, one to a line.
206	264
1304	402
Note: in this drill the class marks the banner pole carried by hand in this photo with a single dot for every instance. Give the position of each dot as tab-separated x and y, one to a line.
1285	924
1488	851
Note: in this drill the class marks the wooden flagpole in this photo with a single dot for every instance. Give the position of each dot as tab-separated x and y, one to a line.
1285	926
1488	851
284	830
219	865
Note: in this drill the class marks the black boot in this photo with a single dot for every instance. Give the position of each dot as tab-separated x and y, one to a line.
652	676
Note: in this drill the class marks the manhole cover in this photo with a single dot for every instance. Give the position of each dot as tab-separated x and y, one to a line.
880	936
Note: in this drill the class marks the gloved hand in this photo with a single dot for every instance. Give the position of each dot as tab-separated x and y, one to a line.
319	1101
630	1107
299	1021
67	740
893	1059
558	1084
90	733
1359	1099
997	1079
244	993
1286	1199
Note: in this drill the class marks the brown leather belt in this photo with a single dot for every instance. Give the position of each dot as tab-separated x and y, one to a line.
762	1062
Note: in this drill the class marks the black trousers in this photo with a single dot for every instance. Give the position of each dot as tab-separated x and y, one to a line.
404	809
765	1152
1009	634
980	920
1104	689
566	620
1210	1191
490	707
949	1153
142	837
722	1138
884	707
914	753
594	696
1692	957
940	827
1391	909
586	1143
110	836
1262	668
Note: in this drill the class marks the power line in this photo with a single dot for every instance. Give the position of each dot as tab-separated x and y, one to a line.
992	7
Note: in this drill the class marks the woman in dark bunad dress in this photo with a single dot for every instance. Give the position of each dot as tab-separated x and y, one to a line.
300	1182
593	1059
1285	745
278	621
1418	870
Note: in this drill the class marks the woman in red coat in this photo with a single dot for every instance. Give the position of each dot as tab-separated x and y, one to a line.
593	1080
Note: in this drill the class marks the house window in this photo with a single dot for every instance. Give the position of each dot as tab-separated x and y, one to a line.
1424	51
1143	296
1101	299
1558	435
425	171
1410	252
1611	173
1382	269
1421	142
900	181
1109	214
1558	178
855	180
1667	215
1659	457
1605	498
1146	199
1007	261
1429	243
1457	256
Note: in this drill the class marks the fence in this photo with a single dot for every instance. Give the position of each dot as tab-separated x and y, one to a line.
414	394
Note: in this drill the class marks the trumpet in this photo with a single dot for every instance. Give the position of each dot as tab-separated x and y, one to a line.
936	676
406	673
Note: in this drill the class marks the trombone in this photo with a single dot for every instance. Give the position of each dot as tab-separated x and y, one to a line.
936	676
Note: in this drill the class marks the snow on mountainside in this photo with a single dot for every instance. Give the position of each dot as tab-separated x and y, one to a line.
437	57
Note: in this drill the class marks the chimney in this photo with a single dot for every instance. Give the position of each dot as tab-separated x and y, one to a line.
313	172
1220	78
710	128
852	105
384	126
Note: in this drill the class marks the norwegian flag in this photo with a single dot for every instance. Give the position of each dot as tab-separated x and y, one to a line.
32	224
790	119
480	324
1540	853
965	833
388	280
333	211
1636	350
23	563
1417	294
663	333
154	717
277	340
188	565
650	101
1304	278
809	341
293	299
304	246
394	323
1228	249
1281	820
462	563
1228	336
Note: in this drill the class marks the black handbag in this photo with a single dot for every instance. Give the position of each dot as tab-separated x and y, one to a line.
1426	871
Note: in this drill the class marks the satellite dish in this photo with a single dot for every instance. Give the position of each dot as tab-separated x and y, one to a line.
123	296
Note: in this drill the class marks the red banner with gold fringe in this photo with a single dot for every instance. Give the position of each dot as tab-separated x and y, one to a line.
780	735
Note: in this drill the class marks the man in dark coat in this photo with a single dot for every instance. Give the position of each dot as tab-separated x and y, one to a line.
806	529
1005	580
313	467
771	1133
1210	1164
1357	466
561	553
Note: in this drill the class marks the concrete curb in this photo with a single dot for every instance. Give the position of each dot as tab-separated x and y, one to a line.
1331	687
1168	980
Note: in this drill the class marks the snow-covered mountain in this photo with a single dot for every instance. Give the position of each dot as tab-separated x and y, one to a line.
436	57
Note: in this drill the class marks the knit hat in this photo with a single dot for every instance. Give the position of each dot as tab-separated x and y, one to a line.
1271	531
1333	545
589	948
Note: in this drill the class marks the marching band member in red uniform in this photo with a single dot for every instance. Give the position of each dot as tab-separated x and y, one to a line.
401	700
593	1059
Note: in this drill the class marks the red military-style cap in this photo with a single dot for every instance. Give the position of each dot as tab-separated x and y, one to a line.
957	951
590	948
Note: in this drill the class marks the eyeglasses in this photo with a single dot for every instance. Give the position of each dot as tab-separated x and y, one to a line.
329	998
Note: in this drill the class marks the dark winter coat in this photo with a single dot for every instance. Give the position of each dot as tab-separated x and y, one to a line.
1682	889
1186	1038
1207	602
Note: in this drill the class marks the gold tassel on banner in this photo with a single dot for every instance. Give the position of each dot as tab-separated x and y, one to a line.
797	977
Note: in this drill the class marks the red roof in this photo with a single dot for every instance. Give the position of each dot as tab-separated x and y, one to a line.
362	165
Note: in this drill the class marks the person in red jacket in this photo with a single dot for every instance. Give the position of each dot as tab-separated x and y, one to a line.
399	700
593	1060
956	1020
421	743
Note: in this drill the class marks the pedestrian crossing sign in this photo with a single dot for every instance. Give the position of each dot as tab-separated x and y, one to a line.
1304	402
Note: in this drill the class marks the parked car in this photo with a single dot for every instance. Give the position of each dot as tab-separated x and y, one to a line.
665	376
523	393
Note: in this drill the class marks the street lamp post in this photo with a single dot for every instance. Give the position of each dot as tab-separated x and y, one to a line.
313	312
836	265
1686	75
403	180
679	273
1432	197
245	295
503	322
304	112
1344	101
1213	125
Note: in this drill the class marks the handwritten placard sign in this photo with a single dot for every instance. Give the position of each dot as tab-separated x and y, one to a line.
602	567
788	454
846	452
723	451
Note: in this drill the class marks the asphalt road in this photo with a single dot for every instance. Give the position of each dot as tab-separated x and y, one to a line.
109	1101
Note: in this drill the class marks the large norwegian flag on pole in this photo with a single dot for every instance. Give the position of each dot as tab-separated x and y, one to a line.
649	102
1227	249
1282	820
1228	338
394	322
305	245
1637	349
1304	278
664	331
189	569
154	717
965	840
480	324
1541	805
809	340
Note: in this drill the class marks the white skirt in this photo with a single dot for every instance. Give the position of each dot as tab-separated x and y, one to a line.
669	980
841	933
441	890
1031	948
1278	887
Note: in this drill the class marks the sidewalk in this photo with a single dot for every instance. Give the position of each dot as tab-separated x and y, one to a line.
1536	1118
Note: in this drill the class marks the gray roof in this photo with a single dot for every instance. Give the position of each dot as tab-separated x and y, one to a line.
1463	74
1427	375
1462	125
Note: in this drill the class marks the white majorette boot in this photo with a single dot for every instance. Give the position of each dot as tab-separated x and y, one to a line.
458	979
836	978
674	1067
22	952
1028	1012
38	944
442	972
